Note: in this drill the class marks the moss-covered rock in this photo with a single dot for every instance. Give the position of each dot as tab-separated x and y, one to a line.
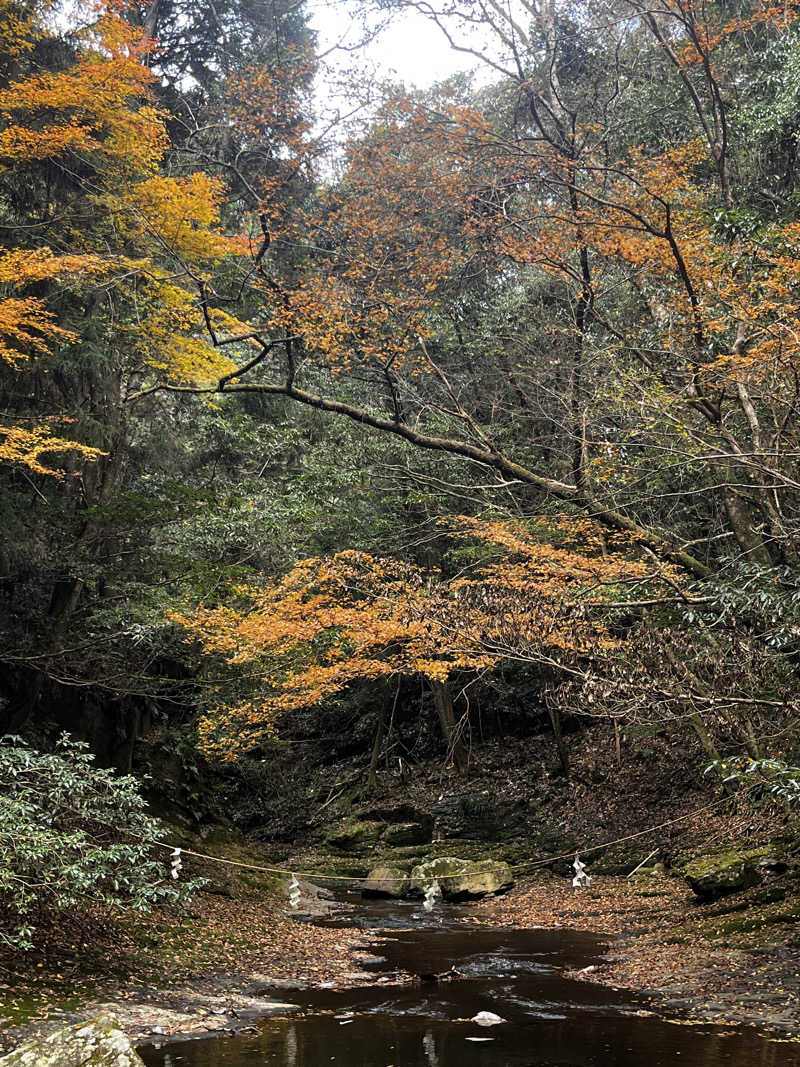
461	879
95	1043
355	836
406	856
386	882
715	876
322	864
231	881
462	847
406	833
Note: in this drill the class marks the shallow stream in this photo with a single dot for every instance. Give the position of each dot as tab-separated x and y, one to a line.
551	1020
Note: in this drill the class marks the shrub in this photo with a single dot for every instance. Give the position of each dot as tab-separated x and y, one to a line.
768	777
73	835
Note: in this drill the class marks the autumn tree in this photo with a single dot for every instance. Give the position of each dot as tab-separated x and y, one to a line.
557	196
102	251
577	281
353	617
548	255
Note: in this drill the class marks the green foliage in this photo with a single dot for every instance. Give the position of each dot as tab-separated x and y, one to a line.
197	498
73	835
763	600
769	777
766	118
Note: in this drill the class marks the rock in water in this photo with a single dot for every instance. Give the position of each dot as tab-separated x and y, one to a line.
94	1043
462	879
487	1018
386	882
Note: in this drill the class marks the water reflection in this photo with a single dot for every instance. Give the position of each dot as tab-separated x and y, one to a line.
429	1045
397	1042
291	1046
553	1021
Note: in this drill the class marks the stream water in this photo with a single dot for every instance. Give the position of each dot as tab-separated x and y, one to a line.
551	1020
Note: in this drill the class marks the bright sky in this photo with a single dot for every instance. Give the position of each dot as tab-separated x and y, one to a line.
411	50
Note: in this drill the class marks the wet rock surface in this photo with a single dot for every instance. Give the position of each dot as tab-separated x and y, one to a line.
155	1015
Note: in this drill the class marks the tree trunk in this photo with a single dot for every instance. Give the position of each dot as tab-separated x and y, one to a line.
555	721
740	521
702	731
380	733
451	729
750	739
695	718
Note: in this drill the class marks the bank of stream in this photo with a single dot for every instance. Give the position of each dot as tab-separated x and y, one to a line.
434	973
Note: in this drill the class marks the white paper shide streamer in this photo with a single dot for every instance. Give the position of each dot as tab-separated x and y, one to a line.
175	863
581	880
294	892
432	893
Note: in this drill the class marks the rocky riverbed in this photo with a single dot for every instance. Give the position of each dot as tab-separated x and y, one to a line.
721	963
731	959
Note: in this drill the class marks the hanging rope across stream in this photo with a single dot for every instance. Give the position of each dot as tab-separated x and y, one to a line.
517	868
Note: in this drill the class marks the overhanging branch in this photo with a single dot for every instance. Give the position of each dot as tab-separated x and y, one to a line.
486	456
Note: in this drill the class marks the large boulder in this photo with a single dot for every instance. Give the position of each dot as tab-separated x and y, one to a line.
462	879
386	882
716	876
94	1043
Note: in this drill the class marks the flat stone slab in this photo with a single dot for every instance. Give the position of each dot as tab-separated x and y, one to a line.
154	1020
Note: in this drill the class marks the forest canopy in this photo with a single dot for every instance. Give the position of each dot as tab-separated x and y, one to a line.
495	373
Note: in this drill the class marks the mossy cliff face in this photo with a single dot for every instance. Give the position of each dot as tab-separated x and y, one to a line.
361	836
95	1043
